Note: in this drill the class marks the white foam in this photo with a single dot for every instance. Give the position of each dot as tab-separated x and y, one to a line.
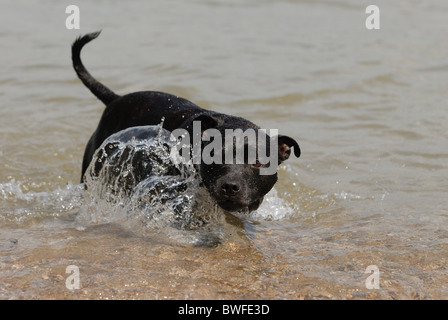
272	208
19	204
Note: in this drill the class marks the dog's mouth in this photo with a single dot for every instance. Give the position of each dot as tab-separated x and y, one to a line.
232	206
235	206
240	202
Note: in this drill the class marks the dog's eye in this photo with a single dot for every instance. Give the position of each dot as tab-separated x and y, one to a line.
257	165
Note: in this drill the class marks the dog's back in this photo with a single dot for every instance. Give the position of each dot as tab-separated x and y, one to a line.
134	109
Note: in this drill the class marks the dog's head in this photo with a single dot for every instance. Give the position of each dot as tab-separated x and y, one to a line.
240	169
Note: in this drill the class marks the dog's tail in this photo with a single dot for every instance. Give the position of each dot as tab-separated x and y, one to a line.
99	90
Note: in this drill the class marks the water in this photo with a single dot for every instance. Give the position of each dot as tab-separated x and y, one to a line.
368	108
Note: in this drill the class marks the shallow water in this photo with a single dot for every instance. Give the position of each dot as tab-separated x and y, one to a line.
368	108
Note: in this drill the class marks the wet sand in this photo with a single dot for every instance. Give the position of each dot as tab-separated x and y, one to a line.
114	263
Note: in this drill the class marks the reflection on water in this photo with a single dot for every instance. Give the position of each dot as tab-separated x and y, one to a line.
368	109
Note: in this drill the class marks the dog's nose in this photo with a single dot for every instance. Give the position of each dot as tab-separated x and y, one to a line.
230	188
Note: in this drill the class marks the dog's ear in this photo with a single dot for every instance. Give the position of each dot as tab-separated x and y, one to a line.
285	144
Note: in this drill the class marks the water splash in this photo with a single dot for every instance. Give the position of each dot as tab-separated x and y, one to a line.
272	208
135	178
19	205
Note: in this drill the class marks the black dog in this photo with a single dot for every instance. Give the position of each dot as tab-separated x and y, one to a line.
234	186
